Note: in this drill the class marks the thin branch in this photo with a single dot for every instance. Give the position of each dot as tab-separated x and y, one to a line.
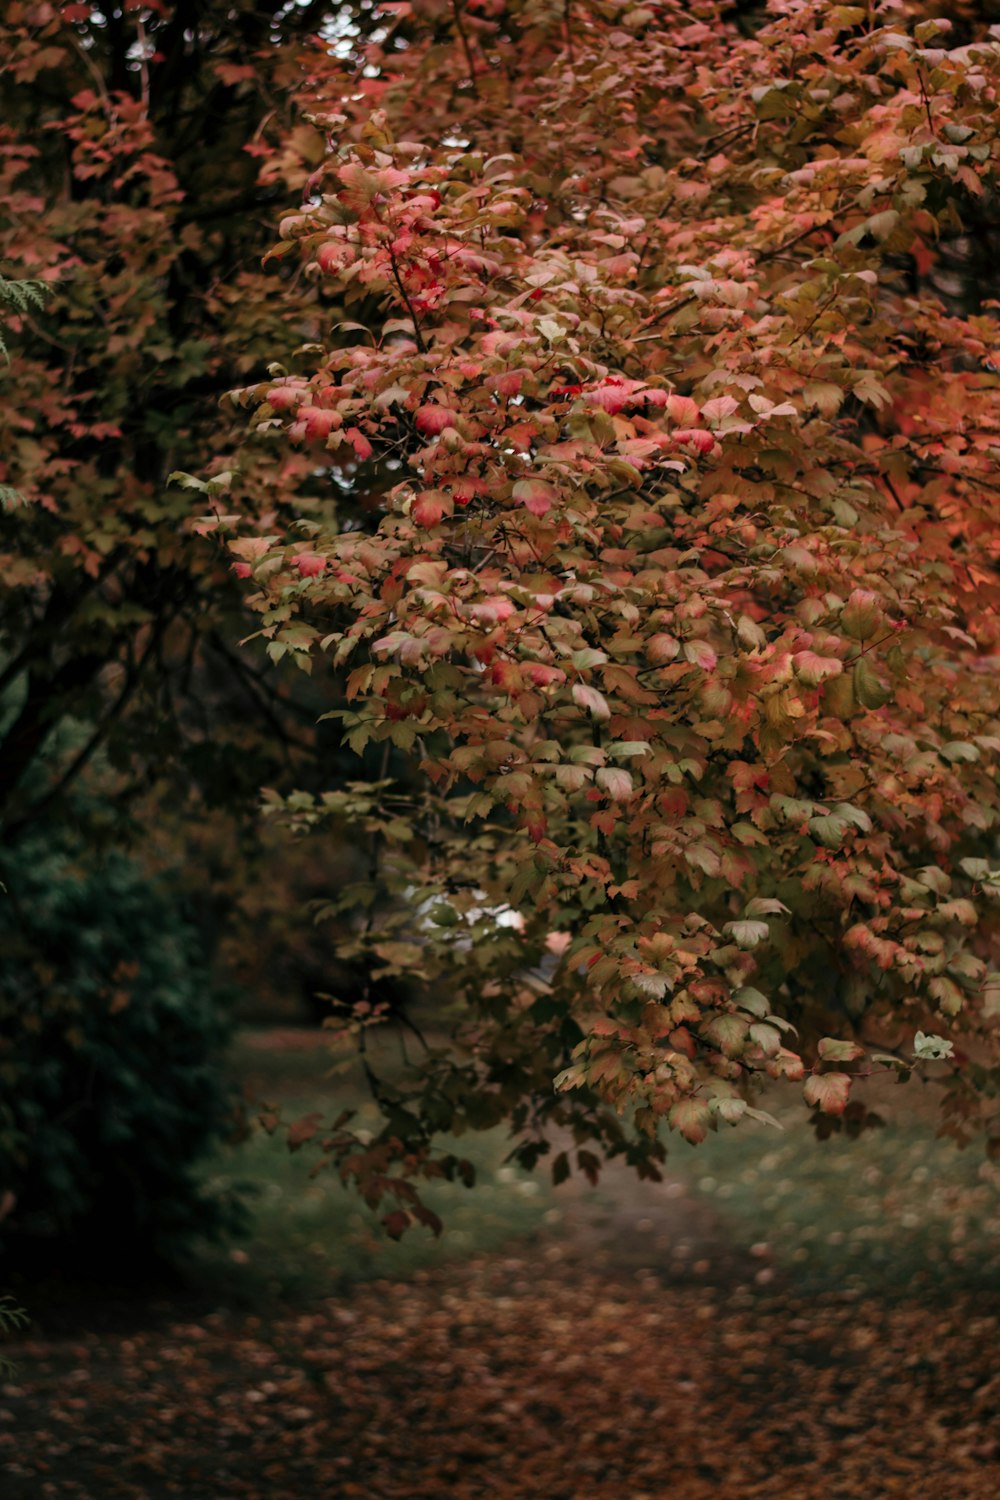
417	333
459	27
50	625
85	754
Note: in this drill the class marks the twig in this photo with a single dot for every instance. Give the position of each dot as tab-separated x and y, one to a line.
465	46
418	335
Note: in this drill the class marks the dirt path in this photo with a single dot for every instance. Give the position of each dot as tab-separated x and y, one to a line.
536	1375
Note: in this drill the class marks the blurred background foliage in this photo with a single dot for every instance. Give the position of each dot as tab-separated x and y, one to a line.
113	1082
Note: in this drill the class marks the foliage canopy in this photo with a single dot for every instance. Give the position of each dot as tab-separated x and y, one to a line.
679	579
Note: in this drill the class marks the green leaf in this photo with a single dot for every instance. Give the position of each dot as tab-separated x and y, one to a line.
880	226
766	906
747	935
833	1049
219	483
950	1000
959	750
728	1033
931	1048
868	389
869	689
773	102
186	481
753	1001
829	830
766	1037
624	749
729	1109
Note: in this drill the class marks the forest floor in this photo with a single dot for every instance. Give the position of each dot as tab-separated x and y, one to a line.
780	1319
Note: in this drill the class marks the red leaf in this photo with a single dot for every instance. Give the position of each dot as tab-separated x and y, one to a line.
429	508
308	564
303	1130
362	447
683	410
434	419
535	495
396	1223
695	437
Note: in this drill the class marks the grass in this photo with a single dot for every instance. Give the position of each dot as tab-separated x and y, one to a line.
895	1210
310	1232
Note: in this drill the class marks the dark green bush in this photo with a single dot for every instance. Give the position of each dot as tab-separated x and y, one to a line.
112	1083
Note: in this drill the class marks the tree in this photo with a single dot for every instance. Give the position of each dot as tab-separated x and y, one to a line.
117	623
682	594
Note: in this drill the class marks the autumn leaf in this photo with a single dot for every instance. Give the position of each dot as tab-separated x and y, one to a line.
617	783
676	648
590	699
861	615
828	1092
692	1118
832	1050
535	496
813	669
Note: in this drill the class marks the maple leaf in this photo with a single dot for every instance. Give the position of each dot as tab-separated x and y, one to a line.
429	508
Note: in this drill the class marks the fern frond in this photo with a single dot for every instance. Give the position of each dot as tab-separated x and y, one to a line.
12	1317
9	497
20	297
